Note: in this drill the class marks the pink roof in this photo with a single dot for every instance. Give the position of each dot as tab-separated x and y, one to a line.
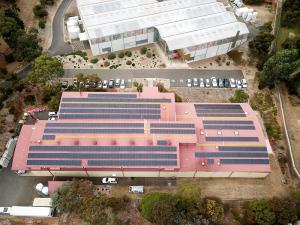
123	130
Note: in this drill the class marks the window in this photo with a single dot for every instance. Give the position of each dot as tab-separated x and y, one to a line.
142	41
117	36
108	49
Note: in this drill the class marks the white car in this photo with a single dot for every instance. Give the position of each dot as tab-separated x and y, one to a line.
232	83
201	83
238	84
195	82
100	84
5	210
244	83
52	116
207	82
189	83
122	84
117	82
214	82
109	180
105	84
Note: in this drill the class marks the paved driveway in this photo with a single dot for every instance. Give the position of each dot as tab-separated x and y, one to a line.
58	46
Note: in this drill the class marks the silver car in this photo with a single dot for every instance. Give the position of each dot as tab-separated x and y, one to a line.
207	82
195	82
201	83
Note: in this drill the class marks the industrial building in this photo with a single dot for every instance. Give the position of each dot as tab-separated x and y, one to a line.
144	134
188	29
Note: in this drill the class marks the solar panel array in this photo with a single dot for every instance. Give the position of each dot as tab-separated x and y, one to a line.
152	100
162	142
229	122
107	95
171	131
244	161
109	116
243	148
121	106
48	137
132	163
231	154
219	110
82	125
172	125
93	131
228	127
234	139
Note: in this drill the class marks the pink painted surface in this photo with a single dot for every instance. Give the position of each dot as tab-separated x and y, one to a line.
54	186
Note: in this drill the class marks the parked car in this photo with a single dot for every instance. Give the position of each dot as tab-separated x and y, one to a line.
195	82
136	189
226	83
244	83
105	84
75	82
207	82
5	210
189	83
201	83
214	82
111	83
109	180
65	84
238	84
100	84
52	115
232	83
118	82
122	84
93	84
220	83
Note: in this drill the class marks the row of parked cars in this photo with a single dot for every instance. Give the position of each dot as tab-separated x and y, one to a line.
216	83
117	83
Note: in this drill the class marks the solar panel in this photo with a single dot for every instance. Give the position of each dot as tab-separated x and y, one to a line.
123	111
101	156
132	163
101	148
109	116
231	139
94	131
219	111
54	162
171	131
210	161
121	125
241	148
157	100
220	115
162	142
91	105
227	127
231	154
105	95
227	122
244	161
171	125
219	106
48	137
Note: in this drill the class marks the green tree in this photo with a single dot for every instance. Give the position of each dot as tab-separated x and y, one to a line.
40	11
45	68
190	191
8	29
240	96
12	13
296	196
284	209
213	208
261	211
164	211
138	86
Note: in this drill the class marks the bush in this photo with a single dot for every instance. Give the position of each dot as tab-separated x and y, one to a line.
128	53
240	96
106	63
47	2
9	58
128	63
29	100
42	23
121	55
143	50
149	54
111	56
94	61
40	11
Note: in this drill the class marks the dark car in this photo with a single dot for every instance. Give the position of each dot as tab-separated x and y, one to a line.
226	83
220	83
93	84
111	83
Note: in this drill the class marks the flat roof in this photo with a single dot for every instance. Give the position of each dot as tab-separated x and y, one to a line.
172	18
143	131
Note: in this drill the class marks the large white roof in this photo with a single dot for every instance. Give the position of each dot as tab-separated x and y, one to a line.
181	23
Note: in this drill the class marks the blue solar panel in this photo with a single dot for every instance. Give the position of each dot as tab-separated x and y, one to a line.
120	125
105	95
101	148
171	131
220	115
54	162
155	100
101	156
220	111
242	148
162	142
123	111
217	106
109	116
132	163
231	139
93	131
48	137
244	161
121	106
228	127
228	122
210	161
231	154
171	125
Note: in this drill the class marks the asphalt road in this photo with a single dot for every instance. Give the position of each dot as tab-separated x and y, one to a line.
58	46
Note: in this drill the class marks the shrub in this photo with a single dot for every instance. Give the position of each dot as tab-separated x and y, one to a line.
239	97
9	58
29	100
42	23
121	55
40	11
47	2
128	53
143	50
94	61
128	63
111	56
106	63
149	54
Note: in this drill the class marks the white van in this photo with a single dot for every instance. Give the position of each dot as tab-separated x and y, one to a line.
136	189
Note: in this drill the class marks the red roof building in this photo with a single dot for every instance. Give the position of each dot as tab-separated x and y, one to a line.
144	135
